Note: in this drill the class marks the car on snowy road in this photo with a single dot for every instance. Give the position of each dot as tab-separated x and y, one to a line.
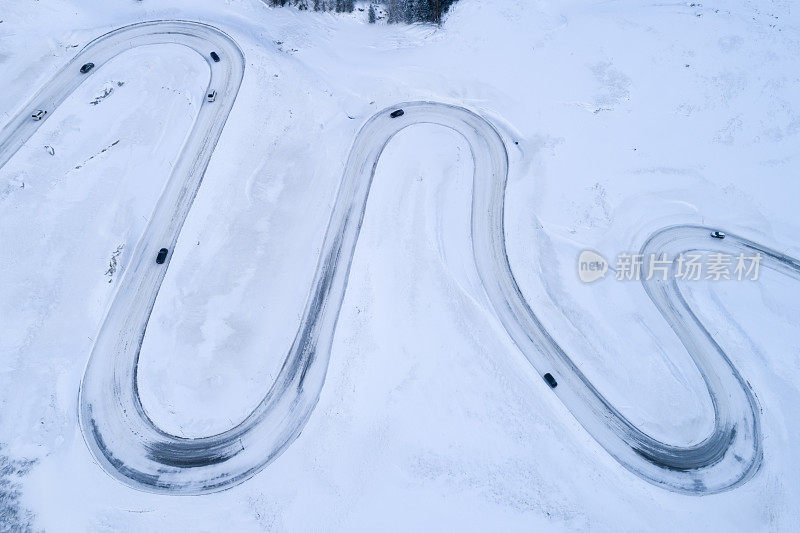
162	256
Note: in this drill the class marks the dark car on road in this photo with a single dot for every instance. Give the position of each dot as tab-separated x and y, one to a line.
717	234
398	113
162	256
87	67
550	380
215	57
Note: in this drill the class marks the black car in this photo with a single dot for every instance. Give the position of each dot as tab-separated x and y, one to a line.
87	67
215	57
162	255
717	234
398	113
550	380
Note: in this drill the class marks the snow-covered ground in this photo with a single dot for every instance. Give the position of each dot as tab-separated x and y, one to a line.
629	117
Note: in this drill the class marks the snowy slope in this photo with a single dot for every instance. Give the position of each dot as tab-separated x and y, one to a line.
629	117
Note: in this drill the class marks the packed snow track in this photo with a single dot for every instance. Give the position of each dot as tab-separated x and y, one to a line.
132	449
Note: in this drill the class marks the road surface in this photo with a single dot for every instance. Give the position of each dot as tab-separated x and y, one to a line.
132	449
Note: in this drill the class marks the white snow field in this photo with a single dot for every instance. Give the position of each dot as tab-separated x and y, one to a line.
619	119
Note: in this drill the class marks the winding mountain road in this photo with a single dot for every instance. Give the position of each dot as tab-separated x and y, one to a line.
132	449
